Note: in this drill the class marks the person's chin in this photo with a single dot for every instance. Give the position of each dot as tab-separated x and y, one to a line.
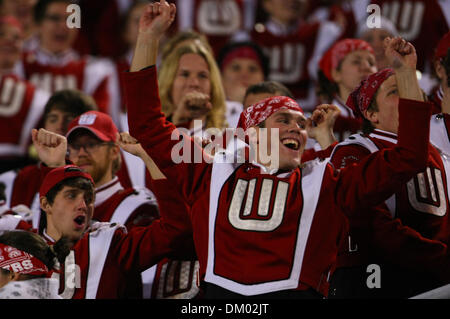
290	164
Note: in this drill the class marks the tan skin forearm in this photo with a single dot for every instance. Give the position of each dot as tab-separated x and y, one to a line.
325	140
407	84
145	53
154	171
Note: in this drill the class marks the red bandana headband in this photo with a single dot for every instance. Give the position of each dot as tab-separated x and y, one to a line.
11	20
361	97
242	52
259	112
18	261
338	52
442	47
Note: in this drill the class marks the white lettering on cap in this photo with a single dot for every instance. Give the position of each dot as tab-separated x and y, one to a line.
87	119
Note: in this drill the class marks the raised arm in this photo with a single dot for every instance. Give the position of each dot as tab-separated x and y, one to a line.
320	125
129	144
171	149
154	22
403	58
51	147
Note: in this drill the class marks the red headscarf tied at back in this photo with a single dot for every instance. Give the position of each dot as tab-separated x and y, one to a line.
11	20
21	262
259	112
331	59
361	97
442	47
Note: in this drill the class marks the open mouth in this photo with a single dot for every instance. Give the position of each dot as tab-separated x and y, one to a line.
291	143
60	37
80	220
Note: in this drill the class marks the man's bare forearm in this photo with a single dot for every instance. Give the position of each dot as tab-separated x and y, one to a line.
407	84
145	54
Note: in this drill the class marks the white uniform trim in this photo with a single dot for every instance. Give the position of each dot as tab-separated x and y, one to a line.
439	138
148	277
8	178
358	139
438	134
310	190
9	222
99	244
130	203
445	7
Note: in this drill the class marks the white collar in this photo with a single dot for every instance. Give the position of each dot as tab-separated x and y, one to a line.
48	237
61	59
105	191
279	29
440	93
235	153
384	135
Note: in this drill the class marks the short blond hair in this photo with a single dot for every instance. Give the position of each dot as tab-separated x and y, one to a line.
166	77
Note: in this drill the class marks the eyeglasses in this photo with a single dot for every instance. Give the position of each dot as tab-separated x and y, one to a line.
90	147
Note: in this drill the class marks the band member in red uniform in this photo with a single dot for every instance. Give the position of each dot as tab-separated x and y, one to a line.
342	68
275	216
421	206
55	65
21	103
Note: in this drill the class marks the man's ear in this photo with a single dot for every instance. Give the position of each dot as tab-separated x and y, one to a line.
371	116
440	70
336	75
45	205
115	150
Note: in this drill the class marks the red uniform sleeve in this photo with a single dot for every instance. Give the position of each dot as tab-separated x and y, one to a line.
345	155
102	97
447	124
144	247
161	138
380	174
404	247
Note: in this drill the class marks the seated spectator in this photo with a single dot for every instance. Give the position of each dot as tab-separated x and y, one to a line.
220	21
23	12
22	104
441	64
55	65
26	265
294	47
342	68
375	37
421	22
242	64
191	88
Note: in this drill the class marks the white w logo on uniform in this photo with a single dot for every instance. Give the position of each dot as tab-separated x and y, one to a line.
426	192
264	202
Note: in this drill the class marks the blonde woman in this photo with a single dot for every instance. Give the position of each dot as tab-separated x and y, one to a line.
191	88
